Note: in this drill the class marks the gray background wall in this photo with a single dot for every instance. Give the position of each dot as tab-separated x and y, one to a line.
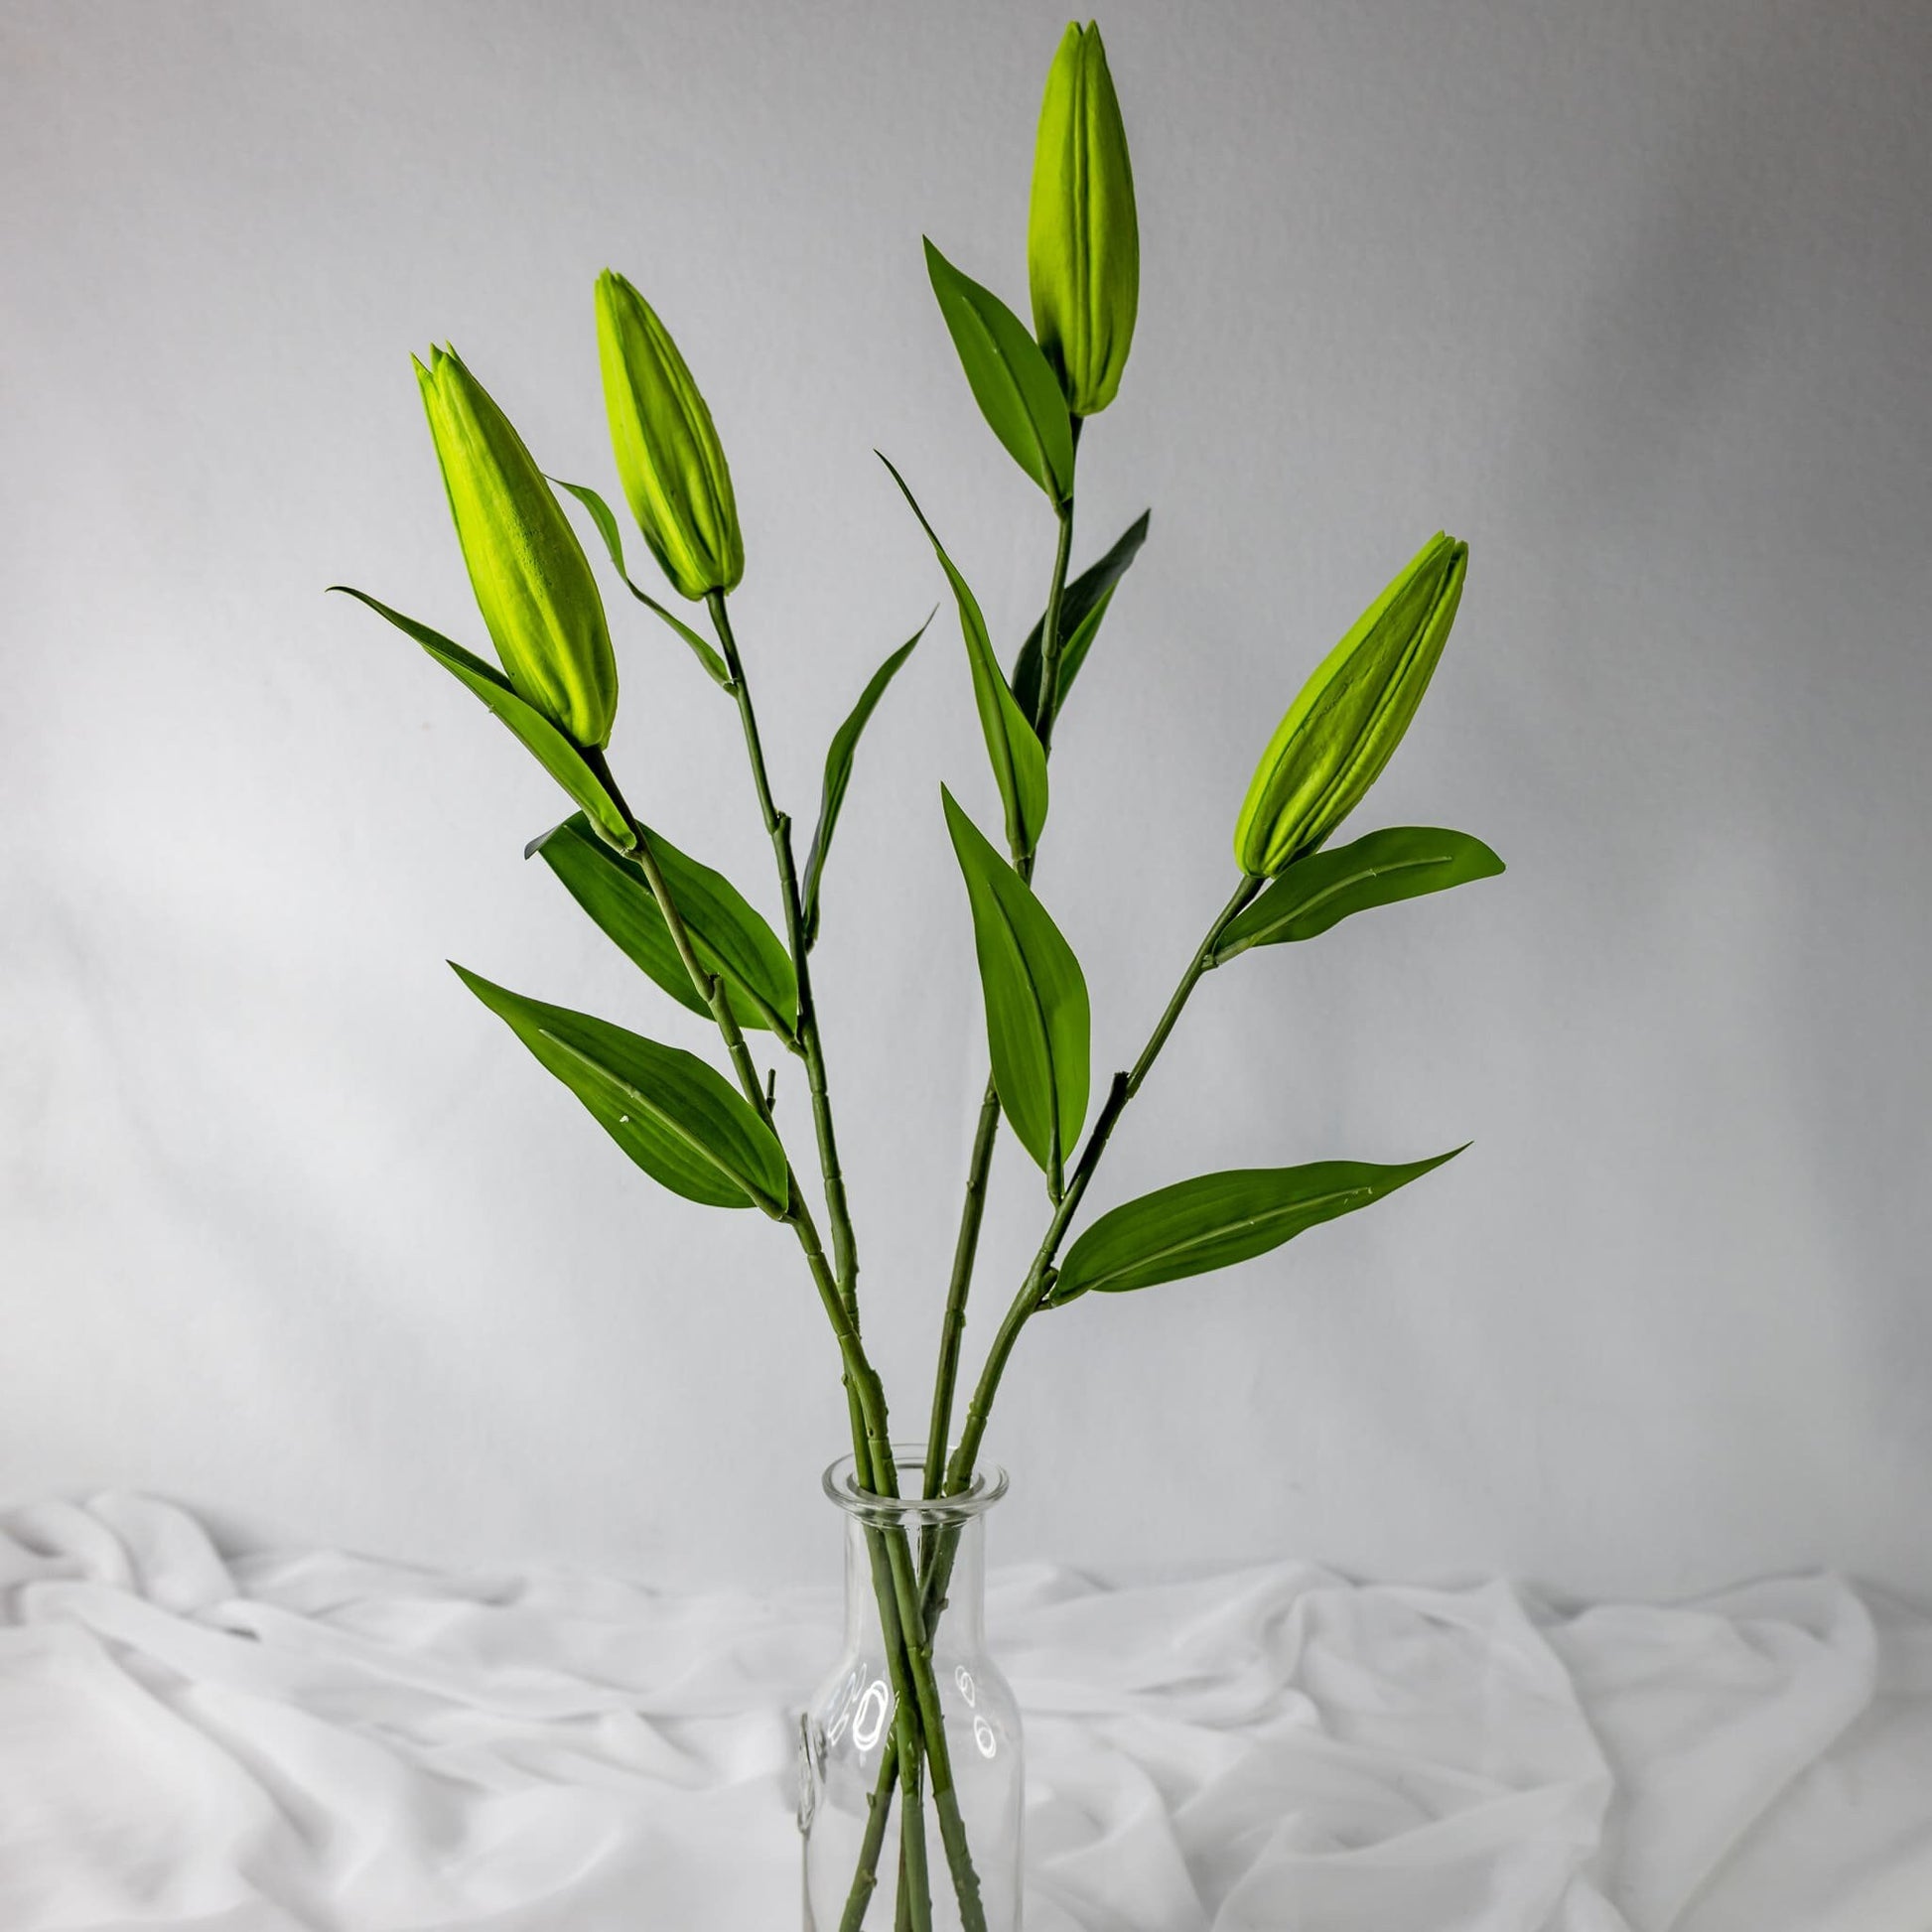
1632	294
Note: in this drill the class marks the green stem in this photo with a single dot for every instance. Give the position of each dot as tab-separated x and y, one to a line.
908	1661
1032	1291
902	1749
840	1294
1048	705
777	825
953	1325
1038	1283
914	1882
908	1891
1202	962
708	986
899	1598
952	1328
1040	1275
878	1807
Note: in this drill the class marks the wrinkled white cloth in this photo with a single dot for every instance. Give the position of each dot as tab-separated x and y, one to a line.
321	1741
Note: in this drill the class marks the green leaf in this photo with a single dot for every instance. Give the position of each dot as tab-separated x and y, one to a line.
838	772
1082	605
1018	762
607	528
1038	1021
1012	383
680	1120
1218	1219
729	937
554	751
607	524
1315	893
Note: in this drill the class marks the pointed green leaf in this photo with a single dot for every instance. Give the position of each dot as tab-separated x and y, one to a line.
607	529
838	772
1014	385
1315	893
728	935
1018	762
555	751
1217	1219
601	515
1082	605
676	1118
1038	1021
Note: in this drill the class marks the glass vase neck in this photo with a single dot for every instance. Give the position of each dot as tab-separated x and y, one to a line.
957	1521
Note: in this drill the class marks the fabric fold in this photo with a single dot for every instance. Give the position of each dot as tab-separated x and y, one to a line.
321	1742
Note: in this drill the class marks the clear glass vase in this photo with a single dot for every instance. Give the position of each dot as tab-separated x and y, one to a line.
851	1801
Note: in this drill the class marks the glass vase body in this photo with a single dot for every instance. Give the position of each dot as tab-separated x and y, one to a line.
849	1734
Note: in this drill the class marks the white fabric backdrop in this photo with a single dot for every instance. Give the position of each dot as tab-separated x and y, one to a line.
1633	294
319	1741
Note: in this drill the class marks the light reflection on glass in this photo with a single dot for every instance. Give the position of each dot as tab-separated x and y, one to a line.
847	1699
869	1718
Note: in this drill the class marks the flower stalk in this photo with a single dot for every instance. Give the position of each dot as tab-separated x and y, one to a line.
952	1324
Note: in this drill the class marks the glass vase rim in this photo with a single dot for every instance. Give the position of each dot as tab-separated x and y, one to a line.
989	1485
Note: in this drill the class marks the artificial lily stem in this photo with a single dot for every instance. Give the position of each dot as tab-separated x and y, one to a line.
708	986
1051	640
952	1332
952	1326
1039	1277
777	826
1202	962
898	1589
1038	1280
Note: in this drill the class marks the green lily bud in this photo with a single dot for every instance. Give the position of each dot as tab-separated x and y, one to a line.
533	585
1350	715
1083	244
669	459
